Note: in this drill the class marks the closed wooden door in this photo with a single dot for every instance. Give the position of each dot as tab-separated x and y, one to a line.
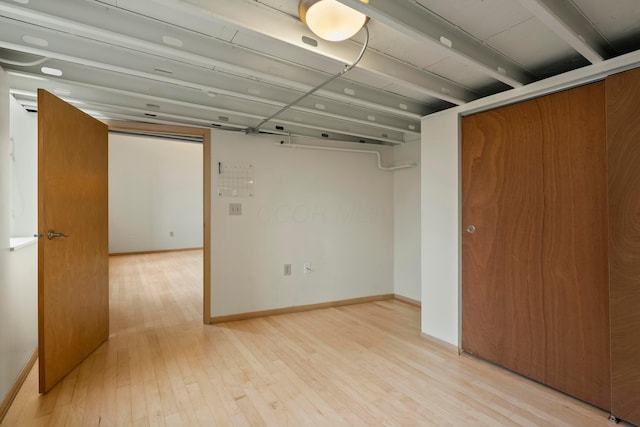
534	241
623	143
73	281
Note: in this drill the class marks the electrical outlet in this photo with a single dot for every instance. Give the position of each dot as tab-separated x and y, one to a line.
287	269
307	268
235	208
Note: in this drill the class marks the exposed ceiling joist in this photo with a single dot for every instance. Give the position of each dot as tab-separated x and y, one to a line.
416	21
109	37
568	23
263	20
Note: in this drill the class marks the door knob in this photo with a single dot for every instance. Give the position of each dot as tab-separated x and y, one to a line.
471	229
53	235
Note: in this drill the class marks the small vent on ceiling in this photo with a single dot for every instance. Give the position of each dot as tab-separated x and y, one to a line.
172	41
223	118
325	135
36	41
150	115
445	41
278	127
309	41
154	106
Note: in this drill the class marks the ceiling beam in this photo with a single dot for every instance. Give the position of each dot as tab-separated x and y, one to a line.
564	19
32	17
418	22
257	18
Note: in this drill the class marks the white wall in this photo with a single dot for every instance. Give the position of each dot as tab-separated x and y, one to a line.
334	210
155	188
18	270
440	226
24	171
406	194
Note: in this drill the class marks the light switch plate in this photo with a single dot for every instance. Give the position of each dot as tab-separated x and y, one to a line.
235	208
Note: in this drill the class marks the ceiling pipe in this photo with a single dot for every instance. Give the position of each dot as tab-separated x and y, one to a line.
347	68
349	150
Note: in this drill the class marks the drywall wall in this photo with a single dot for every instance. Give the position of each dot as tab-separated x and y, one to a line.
24	171
333	210
18	270
155	189
440	227
406	219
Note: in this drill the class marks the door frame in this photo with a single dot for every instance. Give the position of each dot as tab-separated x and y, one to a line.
205	134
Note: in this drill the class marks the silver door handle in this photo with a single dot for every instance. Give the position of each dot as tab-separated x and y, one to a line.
471	229
52	235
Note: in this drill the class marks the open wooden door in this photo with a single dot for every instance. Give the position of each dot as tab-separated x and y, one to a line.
73	263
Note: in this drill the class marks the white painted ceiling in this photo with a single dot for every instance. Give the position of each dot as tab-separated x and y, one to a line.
232	63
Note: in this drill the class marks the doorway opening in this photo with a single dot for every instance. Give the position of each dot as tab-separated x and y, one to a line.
174	237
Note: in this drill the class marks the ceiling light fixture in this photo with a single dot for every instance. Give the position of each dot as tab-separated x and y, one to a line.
330	19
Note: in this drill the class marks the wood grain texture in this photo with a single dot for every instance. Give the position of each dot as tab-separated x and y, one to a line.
623	146
534	273
355	365
205	134
73	275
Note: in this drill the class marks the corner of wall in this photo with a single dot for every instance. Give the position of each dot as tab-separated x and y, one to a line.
440	212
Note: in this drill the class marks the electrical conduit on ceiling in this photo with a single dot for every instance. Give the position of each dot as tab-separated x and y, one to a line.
349	150
347	68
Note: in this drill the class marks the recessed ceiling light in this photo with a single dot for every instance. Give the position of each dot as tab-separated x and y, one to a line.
412	127
51	71
172	41
371	118
62	92
223	118
320	106
403	107
154	106
349	91
36	41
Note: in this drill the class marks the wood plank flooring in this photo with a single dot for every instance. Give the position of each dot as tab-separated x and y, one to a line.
355	365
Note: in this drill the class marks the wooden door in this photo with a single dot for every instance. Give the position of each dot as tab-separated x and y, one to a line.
623	146
73	276
535	270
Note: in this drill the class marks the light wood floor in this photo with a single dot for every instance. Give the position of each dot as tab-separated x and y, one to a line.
357	365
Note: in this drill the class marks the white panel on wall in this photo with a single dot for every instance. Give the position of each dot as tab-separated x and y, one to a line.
406	193
155	194
24	171
18	269
331	209
440	226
